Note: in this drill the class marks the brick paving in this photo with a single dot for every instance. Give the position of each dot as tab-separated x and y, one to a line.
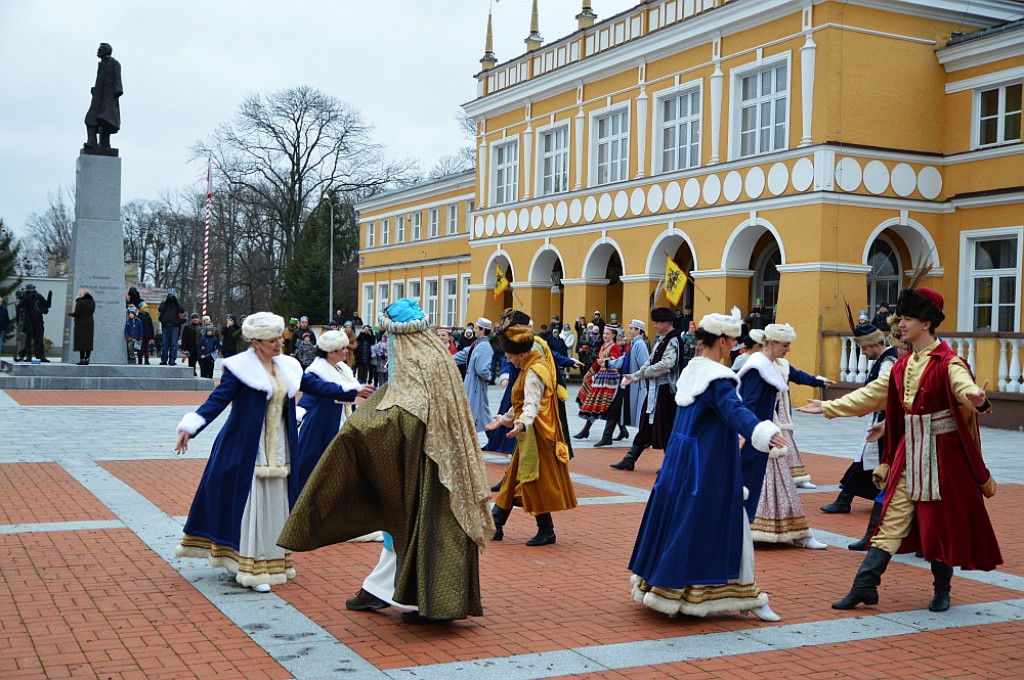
93	500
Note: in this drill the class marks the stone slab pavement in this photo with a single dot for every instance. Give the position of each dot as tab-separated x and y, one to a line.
94	500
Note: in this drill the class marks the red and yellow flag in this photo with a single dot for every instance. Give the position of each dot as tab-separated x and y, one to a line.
500	282
675	281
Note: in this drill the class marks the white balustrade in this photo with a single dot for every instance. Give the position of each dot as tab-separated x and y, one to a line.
965	349
1009	366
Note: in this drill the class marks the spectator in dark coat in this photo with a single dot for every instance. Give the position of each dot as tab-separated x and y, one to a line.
148	333
364	355
229	336
85	307
5	319
881	319
190	341
35	306
172	316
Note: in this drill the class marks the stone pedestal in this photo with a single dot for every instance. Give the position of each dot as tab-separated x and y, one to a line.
97	257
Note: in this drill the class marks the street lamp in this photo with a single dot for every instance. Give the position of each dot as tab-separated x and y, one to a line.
330	280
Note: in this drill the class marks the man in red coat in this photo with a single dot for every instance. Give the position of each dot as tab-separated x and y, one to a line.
932	464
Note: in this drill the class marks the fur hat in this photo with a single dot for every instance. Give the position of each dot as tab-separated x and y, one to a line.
516	340
662	314
779	332
262	326
331	341
720	324
895	334
757	335
921	303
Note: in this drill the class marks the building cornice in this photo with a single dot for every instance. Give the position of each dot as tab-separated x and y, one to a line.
831	267
394	266
983	50
464	180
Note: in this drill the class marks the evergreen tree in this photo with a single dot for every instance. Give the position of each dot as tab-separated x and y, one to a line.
8	266
305	278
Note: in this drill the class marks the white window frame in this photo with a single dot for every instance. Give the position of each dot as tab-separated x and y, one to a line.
433	223
397	289
385	232
470	207
542	158
411	284
736	104
383	296
368	306
596	117
687	89
371	233
1001	115
508	170
400	229
417	226
467	279
430	302
965	306
453	218
449	301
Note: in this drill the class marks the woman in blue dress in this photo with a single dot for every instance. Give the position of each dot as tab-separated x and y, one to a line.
328	391
693	554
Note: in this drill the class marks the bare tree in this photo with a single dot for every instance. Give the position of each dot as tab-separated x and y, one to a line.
49	234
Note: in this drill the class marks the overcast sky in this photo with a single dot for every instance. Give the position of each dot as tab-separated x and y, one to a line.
186	65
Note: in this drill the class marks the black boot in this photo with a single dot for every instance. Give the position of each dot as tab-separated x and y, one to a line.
606	436
545	531
876	514
943	574
497	487
629	462
865	584
841	505
623	433
585	432
500	516
365	602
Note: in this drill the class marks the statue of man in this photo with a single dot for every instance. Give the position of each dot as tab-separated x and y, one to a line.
104	115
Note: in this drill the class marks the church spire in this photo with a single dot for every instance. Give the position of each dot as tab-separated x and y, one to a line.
489	60
586	18
534	40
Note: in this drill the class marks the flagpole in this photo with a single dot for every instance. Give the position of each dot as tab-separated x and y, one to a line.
206	238
689	276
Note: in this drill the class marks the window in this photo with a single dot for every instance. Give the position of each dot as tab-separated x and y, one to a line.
385	232
506	173
417	230
431	309
679	130
554	161
884	279
450	300
382	297
432	225
994	283
766	277
763	107
453	218
371	233
414	289
368	315
612	146
469	216
464	307
398	289
998	115
400	229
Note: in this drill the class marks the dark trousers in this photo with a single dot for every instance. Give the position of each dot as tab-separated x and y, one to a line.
143	352
643	436
169	352
35	338
206	367
364	373
495	366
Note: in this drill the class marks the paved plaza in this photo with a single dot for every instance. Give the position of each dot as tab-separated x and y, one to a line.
94	500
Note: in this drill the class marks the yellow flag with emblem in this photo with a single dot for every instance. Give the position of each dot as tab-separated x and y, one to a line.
675	281
500	282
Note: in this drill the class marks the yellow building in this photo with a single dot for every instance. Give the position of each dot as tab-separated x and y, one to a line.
794	151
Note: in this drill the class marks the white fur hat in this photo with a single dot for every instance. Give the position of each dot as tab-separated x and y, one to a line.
720	324
757	335
779	332
262	326
331	341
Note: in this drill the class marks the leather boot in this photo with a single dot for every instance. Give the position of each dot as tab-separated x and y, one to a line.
497	487
841	505
623	433
606	436
500	516
585	432
876	514
545	531
865	584
629	462
942	574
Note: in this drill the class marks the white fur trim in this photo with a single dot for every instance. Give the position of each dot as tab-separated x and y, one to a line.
780	332
191	422
779	452
300	413
746	493
761	439
759	362
821	378
247	368
262	326
331	341
720	324
322	369
698	374
262	471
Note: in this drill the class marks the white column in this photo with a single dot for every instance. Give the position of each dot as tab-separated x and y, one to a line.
1003	366
1014	374
843	375
641	132
481	181
527	169
807	88
716	111
579	148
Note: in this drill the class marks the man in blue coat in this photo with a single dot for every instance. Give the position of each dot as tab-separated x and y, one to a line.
477	360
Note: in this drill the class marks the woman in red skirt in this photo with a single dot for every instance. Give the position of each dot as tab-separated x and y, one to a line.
600	382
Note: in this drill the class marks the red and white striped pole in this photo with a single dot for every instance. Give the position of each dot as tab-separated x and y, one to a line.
206	239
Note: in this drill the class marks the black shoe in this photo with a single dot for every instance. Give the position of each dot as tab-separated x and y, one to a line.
365	602
865	584
605	441
545	531
497	487
163	363
626	463
44	360
841	505
416	619
500	516
623	434
943	574
584	433
83	363
865	543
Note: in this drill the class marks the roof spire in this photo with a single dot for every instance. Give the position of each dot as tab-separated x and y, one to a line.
489	60
534	40
586	18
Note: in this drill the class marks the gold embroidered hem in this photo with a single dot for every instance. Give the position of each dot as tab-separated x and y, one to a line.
764	530
698	600
248	572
